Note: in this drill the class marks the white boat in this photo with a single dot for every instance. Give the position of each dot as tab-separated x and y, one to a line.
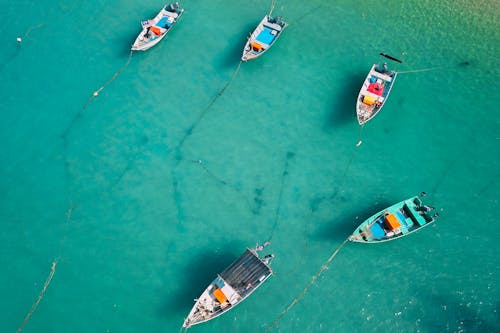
231	287
263	37
155	29
375	91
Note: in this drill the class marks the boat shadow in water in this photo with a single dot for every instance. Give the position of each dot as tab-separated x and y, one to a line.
343	226
232	55
193	279
343	105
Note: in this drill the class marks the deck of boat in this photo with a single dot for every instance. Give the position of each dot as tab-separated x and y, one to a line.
246	272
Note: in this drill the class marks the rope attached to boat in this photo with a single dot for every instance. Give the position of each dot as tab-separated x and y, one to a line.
95	94
464	63
273	2
204	112
304	291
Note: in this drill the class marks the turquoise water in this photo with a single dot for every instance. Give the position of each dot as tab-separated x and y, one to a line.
114	192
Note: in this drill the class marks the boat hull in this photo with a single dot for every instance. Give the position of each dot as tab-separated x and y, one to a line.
262	38
157	28
231	287
374	93
396	221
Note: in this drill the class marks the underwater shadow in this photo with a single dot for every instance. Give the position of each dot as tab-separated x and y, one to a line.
193	280
234	52
342	227
457	313
343	105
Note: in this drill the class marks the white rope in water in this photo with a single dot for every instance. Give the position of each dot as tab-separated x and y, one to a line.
464	63
422	70
177	148
272	7
117	73
26	34
304	291
40	296
95	94
49	277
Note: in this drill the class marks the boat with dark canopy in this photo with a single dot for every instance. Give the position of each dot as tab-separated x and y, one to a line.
396	221
232	286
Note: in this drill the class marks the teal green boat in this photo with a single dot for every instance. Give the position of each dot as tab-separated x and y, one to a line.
396	221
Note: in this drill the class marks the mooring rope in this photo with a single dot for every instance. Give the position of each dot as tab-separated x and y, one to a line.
284	175
95	94
309	285
272	7
48	280
221	181
38	26
204	112
115	75
40	296
464	63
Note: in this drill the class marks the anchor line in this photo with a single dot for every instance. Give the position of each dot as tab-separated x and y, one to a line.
33	28
463	63
272	7
94	95
280	196
422	70
309	285
40	296
205	110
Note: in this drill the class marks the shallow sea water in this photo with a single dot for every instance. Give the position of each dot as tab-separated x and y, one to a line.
143	195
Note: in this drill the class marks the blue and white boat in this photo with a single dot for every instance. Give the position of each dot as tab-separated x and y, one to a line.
155	29
238	281
263	37
396	221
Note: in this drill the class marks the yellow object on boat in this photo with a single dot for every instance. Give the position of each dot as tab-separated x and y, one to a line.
369	100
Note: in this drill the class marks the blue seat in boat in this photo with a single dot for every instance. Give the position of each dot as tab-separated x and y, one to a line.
163	22
266	36
377	231
402	219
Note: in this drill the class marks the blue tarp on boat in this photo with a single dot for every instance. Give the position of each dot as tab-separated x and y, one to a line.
163	22
401	218
377	230
266	36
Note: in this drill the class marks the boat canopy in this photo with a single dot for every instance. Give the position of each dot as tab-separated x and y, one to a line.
248	270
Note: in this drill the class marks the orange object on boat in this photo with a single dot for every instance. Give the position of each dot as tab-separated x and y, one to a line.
369	100
156	30
391	221
256	46
219	295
